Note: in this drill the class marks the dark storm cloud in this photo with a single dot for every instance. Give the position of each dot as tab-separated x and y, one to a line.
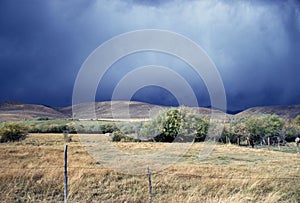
254	44
40	52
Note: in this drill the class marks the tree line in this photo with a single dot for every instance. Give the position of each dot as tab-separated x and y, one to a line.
187	124
175	124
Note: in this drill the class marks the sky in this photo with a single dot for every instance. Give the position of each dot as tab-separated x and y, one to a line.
254	44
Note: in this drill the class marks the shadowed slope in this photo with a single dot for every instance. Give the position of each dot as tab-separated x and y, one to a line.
10	111
290	111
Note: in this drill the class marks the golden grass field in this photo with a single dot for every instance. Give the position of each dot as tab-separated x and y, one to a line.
32	171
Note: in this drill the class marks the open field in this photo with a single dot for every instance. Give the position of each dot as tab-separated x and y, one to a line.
32	170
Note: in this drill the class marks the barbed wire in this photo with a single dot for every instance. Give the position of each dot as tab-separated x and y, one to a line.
98	167
158	174
238	178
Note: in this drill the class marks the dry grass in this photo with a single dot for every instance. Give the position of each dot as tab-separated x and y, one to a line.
32	171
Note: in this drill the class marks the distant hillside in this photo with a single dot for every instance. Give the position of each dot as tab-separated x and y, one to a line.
115	109
12	111
121	109
290	111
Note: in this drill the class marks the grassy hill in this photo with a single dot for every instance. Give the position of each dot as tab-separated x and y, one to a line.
12	111
104	110
115	109
290	111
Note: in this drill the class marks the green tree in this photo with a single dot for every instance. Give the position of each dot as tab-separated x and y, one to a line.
193	126
297	120
267	125
291	131
239	128
272	125
202	129
182	123
255	127
172	123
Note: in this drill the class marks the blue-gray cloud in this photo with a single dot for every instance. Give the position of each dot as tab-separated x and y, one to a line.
254	44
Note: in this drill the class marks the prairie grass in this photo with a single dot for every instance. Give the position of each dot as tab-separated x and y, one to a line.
32	171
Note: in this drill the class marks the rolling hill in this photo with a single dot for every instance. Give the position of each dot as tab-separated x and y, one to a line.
289	111
121	110
13	111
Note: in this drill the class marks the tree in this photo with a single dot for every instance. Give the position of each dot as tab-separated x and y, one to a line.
202	129
297	120
11	132
260	127
290	130
272	125
255	127
172	123
193	125
182	124
239	128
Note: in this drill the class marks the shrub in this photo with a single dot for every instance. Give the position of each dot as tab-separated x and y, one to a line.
11	132
42	119
118	136
128	128
164	138
107	128
94	127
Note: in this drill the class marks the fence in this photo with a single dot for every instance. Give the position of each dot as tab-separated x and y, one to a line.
58	182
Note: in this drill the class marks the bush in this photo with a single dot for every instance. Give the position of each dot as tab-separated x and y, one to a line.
94	127
164	138
117	136
11	132
128	128
50	126
120	137
42	119
107	128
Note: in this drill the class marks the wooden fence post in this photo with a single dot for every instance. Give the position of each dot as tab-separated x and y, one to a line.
65	174
150	185
269	143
